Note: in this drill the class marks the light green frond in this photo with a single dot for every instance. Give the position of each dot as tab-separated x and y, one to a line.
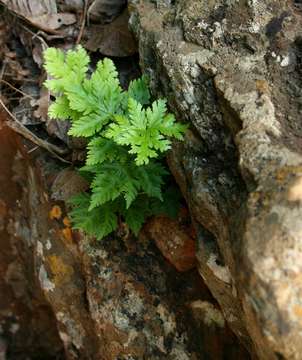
87	125
59	109
54	62
125	134
139	90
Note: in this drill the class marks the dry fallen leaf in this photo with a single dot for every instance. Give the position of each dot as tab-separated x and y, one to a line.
42	14
31	7
52	22
113	39
42	105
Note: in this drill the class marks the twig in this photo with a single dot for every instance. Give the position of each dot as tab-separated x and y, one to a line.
2	73
41	35
36	36
83	22
19	91
11	76
33	149
22	130
2	69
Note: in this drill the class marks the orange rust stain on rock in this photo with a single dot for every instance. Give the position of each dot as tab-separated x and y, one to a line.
55	212
67	233
61	271
287	171
262	86
298	312
66	222
174	242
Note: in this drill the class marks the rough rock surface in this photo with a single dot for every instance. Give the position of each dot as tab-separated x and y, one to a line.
120	300
232	69
70	297
173	240
27	324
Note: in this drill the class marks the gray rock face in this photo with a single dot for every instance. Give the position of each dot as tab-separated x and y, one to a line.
232	69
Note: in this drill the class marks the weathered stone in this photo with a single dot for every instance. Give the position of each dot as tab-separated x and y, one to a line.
71	5
173	241
115	300
27	325
233	71
67	183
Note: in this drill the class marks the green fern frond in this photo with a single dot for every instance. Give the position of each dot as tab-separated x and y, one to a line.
144	130
59	109
59	65
123	134
105	72
114	180
88	125
137	213
56	87
54	62
77	61
98	222
80	100
138	90
151	178
101	149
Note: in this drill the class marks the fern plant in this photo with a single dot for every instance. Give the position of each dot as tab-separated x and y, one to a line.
126	136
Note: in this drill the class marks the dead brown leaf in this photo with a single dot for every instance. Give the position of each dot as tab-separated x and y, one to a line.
31	8
113	39
40	13
52	22
42	105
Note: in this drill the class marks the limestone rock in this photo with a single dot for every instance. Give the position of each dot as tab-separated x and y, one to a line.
232	69
116	299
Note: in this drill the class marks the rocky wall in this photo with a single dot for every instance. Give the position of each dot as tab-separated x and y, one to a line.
66	296
232	70
27	325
